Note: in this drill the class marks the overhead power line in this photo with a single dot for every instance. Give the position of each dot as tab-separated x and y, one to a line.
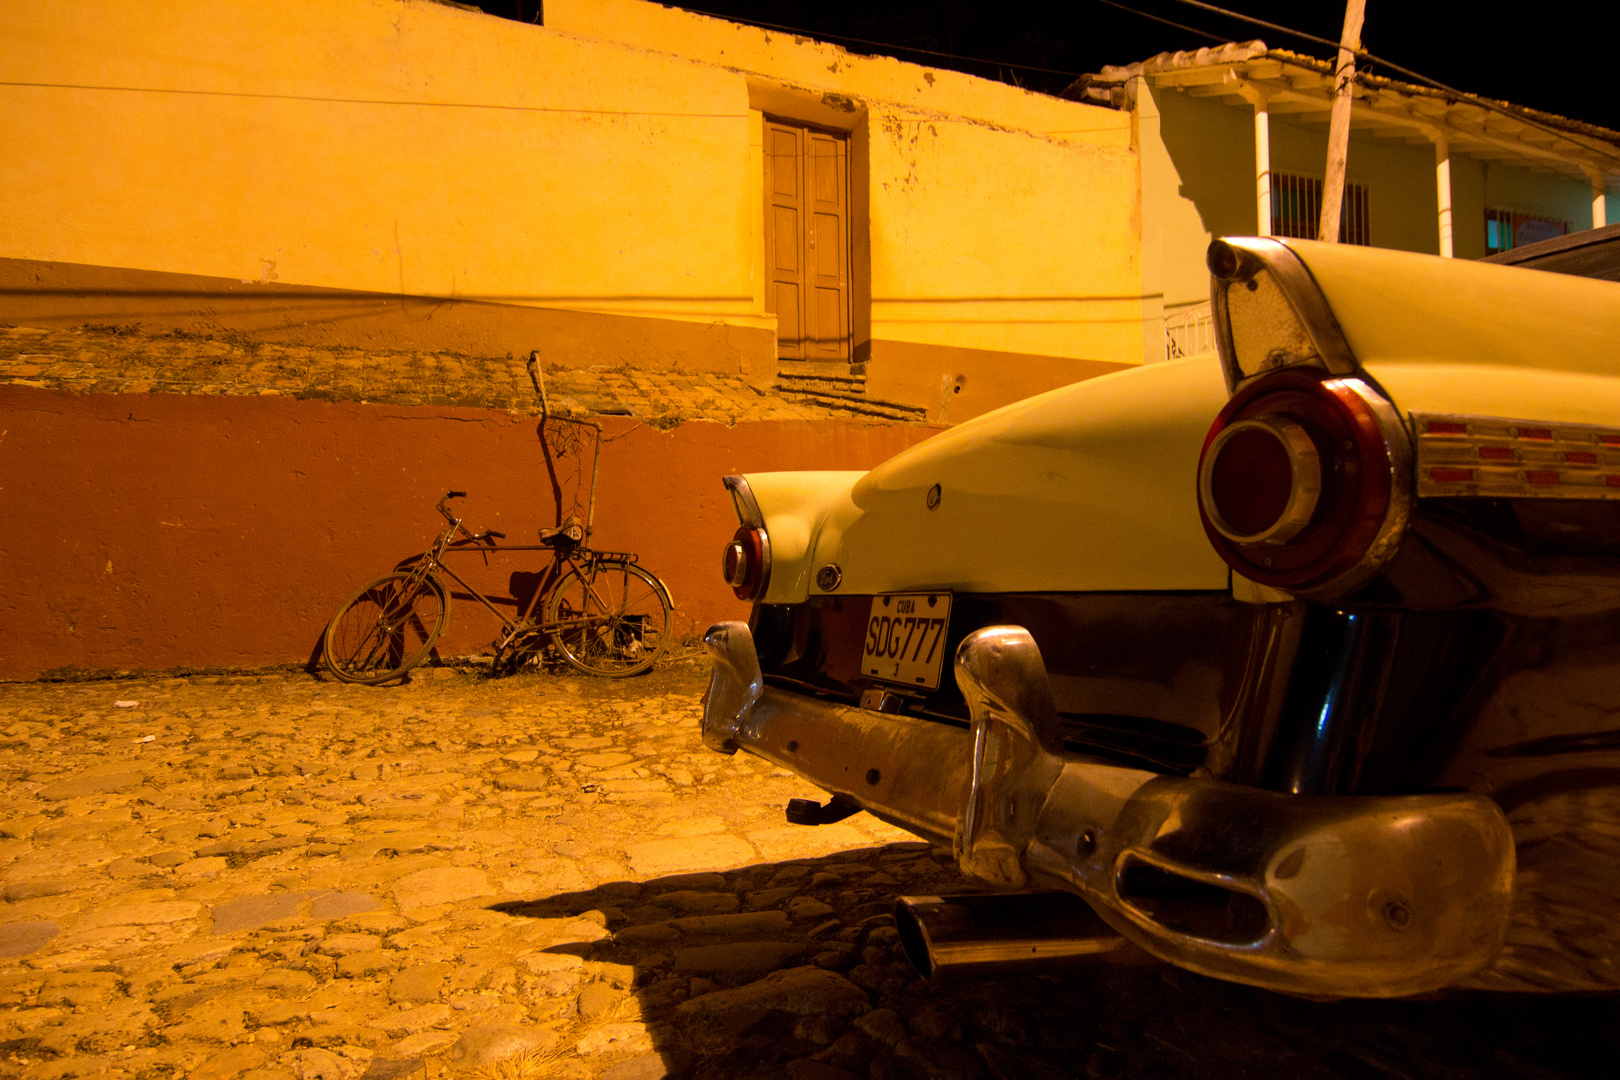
1585	142
1334	45
1179	26
820	35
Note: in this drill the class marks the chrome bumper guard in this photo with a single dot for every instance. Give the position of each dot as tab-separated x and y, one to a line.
1365	896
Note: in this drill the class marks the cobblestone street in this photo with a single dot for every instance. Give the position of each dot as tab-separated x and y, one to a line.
277	878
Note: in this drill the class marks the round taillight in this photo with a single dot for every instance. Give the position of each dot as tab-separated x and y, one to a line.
1302	483
1260	480
746	562
736	564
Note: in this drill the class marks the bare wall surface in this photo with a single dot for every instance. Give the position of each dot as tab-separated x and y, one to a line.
607	164
51	294
165	531
956	384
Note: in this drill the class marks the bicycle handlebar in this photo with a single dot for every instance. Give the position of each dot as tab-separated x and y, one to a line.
455	523
445	513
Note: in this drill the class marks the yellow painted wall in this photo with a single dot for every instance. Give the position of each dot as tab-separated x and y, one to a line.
986	239
608	161
1000	219
380	145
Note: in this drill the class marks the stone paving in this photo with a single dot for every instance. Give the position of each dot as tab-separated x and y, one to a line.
109	359
270	877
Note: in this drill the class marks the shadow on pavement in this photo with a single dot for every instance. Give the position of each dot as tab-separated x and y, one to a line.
793	969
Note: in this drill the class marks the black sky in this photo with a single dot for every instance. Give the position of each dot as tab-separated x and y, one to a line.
1557	56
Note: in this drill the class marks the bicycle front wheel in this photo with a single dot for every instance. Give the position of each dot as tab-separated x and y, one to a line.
615	619
385	629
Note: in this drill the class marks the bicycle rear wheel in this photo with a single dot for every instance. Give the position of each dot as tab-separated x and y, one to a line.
385	629
616	620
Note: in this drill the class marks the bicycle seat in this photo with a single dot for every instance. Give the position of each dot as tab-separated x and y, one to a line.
571	531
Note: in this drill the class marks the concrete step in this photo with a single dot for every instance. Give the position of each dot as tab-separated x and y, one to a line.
838	386
845	383
858	404
821	367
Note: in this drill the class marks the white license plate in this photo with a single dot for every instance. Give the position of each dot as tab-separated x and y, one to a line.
905	638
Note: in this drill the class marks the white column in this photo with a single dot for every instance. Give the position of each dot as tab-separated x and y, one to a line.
1442	188
1262	167
1600	214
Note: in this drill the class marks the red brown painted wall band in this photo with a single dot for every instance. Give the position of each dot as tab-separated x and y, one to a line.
155	531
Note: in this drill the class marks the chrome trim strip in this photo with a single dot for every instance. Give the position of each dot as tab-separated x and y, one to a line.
743	496
1494	457
1235	259
749	515
1398	451
1364	896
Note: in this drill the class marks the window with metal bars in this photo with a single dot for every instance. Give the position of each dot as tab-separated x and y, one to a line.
1296	209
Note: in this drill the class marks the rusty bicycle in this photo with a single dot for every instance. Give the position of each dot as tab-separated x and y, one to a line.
599	610
604	614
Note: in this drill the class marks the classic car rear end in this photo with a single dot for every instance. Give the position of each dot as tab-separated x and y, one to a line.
1300	668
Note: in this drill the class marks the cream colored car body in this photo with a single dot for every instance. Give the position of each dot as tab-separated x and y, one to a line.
1083	489
1090	488
1449	335
1346	759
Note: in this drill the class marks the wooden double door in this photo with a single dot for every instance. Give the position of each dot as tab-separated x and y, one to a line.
807	241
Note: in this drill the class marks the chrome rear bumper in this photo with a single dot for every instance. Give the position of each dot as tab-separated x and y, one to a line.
1325	895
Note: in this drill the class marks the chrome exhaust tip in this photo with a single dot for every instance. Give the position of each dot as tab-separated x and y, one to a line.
991	934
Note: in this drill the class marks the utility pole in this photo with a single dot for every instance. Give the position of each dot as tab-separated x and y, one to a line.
1344	78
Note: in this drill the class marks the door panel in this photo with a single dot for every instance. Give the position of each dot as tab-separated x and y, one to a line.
827	337
785	231
807	241
787	298
828	246
783	163
784	236
829	314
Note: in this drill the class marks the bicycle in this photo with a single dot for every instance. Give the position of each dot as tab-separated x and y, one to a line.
604	614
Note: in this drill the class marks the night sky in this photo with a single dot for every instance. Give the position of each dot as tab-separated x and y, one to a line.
1555	56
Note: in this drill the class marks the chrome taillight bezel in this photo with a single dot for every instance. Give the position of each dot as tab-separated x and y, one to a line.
745	562
1238	262
1364	503
1304	486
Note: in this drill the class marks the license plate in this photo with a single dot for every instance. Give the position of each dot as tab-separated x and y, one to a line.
905	638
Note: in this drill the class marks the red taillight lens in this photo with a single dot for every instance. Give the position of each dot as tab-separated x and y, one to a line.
747	563
1301	483
1260	481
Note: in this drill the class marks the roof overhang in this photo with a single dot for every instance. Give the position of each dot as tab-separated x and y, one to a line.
1287	83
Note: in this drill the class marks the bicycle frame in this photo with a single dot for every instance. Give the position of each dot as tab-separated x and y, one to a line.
615	621
589	632
561	563
580	559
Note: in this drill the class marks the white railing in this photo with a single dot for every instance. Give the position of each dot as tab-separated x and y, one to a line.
1189	332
